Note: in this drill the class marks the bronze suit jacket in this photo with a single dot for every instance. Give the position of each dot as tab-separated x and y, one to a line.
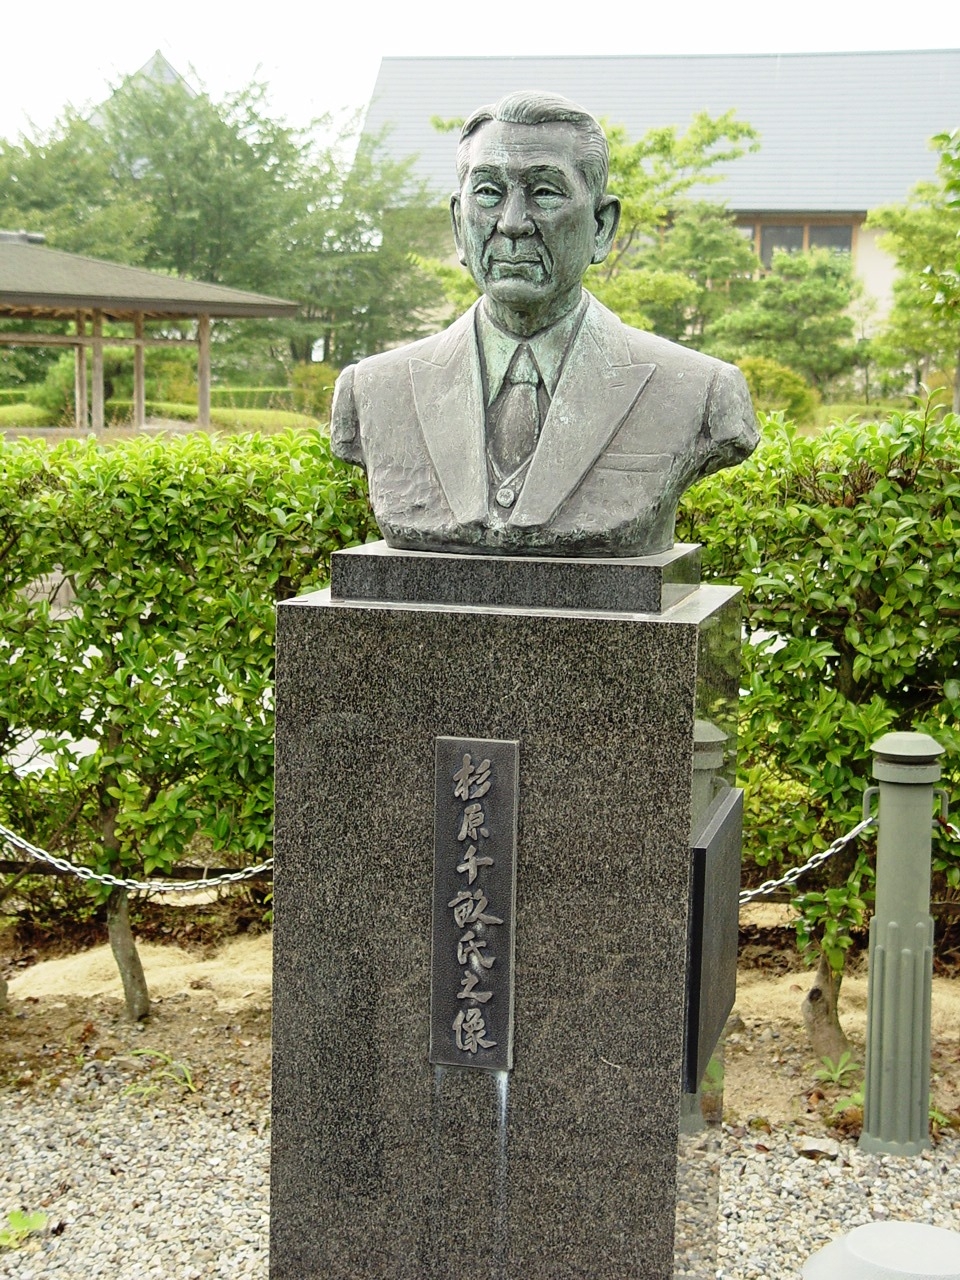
633	422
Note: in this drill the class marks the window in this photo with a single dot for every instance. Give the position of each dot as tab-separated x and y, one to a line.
788	238
794	237
832	238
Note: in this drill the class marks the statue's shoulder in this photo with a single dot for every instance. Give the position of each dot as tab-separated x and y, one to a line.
386	365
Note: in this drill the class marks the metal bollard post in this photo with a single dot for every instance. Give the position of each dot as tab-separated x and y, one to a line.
897	1077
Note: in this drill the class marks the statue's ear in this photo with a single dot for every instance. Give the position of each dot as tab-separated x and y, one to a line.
608	220
455	218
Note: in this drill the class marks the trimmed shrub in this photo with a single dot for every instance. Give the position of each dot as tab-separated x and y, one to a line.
313	389
120	412
13	395
776	389
252	397
845	547
148	699
25	415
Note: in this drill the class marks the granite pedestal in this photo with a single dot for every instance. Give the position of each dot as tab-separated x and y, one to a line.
564	1167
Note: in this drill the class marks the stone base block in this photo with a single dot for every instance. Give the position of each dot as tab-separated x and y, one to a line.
385	1167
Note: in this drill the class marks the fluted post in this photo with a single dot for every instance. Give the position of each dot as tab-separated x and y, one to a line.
897	1081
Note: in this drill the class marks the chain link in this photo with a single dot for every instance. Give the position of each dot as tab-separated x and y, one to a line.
769	886
14	841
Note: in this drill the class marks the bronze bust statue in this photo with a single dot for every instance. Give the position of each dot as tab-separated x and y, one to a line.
537	423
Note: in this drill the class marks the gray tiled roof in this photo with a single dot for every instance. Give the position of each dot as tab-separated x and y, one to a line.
840	132
31	276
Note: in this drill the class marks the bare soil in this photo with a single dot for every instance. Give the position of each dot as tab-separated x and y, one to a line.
212	1014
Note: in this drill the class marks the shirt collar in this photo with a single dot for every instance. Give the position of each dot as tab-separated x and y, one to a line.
548	347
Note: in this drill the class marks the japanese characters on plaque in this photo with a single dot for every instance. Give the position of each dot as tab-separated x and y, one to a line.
474	892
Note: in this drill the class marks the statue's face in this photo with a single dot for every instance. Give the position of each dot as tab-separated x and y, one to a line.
525	221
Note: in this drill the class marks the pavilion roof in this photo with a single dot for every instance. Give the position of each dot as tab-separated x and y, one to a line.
37	281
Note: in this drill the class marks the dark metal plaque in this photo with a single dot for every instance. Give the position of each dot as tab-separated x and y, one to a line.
714	916
474	895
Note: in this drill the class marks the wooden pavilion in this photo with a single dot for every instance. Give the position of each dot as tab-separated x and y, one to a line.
37	283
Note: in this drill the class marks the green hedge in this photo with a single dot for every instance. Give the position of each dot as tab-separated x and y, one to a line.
13	395
845	545
20	414
118	412
177	550
252	398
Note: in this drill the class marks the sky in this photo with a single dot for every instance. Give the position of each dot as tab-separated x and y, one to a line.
321	59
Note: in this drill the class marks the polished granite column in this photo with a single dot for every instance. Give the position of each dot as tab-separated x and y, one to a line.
565	1166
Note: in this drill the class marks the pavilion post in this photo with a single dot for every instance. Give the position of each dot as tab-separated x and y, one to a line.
80	376
203	371
139	380
96	391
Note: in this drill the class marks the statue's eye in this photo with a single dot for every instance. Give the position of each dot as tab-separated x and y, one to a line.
487	193
547	195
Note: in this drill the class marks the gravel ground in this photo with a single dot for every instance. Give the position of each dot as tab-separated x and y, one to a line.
164	1186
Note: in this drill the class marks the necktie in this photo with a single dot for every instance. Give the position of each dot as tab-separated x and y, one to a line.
513	421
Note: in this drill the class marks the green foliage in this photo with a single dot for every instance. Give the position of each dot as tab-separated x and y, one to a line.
799	316
359	239
63	183
164	1071
26	415
845	547
652	271
145	707
776	389
698	267
222	191
251	397
19	1226
120	412
313	389
923	329
14	395
169	374
460	290
826	415
842	1073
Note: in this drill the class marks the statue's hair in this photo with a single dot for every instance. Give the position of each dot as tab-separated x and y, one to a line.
530	106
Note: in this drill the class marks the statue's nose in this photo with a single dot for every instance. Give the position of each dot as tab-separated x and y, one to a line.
515	217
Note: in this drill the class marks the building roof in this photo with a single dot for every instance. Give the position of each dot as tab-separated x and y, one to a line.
33	277
839	132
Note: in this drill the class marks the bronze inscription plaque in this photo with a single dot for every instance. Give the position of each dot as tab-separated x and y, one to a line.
474	893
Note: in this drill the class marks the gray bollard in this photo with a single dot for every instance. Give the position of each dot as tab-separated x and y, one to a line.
888	1251
897	1078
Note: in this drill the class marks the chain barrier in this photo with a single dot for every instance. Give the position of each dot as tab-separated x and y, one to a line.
246	873
14	841
769	886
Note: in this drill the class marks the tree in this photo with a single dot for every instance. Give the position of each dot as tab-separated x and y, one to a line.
650	275
922	234
358	244
798	316
703	249
63	183
224	192
219	179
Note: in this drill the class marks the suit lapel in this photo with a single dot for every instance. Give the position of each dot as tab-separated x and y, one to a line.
598	387
449	400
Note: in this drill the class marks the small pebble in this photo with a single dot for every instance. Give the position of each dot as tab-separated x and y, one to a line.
133	1188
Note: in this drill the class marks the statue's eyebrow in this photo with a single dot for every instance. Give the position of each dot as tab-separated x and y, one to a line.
533	173
547	171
